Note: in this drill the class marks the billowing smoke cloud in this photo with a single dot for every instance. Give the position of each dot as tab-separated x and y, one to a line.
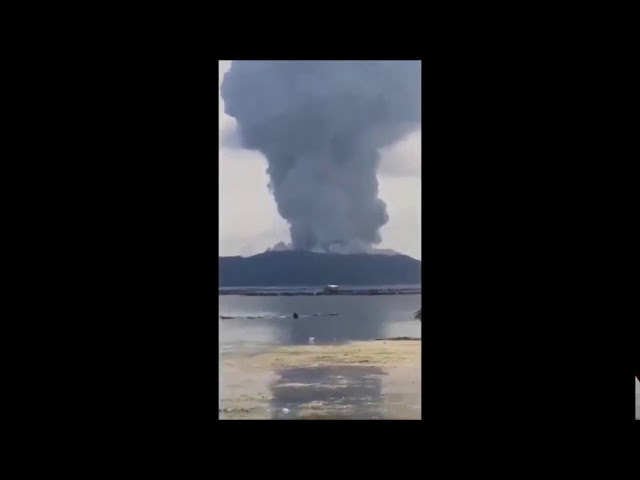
320	124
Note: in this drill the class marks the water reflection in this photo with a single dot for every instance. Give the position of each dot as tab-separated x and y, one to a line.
360	318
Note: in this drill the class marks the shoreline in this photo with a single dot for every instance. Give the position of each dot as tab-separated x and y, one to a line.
316	293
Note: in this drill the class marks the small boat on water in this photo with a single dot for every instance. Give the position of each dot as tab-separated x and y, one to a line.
418	315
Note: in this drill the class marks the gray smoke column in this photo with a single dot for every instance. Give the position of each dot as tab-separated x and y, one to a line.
320	124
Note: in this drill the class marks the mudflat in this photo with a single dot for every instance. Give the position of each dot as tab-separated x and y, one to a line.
378	379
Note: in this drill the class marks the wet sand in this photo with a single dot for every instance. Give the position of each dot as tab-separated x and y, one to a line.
379	379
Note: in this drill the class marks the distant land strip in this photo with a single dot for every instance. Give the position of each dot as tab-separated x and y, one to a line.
342	291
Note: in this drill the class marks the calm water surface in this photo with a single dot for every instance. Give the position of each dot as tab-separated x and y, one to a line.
362	317
359	318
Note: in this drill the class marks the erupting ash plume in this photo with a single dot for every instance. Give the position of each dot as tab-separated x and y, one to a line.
320	125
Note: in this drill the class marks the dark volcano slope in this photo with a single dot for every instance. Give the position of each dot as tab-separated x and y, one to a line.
298	268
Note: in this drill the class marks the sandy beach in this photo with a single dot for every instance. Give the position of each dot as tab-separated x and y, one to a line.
378	379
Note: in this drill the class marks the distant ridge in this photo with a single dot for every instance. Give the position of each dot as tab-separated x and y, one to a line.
298	268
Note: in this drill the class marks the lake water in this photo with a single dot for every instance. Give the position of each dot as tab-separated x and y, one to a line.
358	318
367	391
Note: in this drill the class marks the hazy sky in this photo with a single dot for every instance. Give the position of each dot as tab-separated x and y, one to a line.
249	220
